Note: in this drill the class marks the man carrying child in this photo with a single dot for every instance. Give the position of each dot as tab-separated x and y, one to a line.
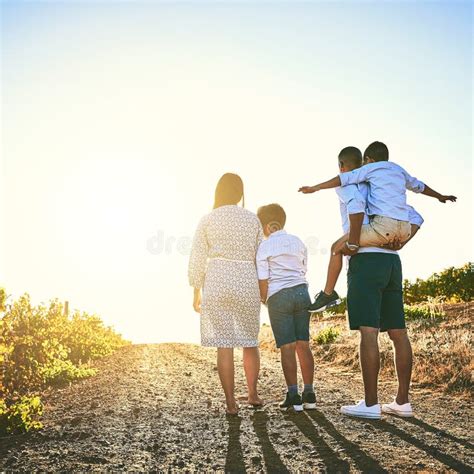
374	278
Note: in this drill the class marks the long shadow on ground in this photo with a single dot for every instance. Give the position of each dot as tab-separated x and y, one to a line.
438	431
432	451
328	456
272	460
363	462
235	457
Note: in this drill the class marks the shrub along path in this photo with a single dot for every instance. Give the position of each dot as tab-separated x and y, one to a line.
157	407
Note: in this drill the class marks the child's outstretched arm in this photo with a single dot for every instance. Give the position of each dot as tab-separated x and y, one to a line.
418	186
440	197
332	183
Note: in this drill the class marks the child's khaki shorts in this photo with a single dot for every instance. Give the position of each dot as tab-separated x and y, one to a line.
383	230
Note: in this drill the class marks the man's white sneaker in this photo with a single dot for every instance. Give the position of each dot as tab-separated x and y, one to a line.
362	410
395	409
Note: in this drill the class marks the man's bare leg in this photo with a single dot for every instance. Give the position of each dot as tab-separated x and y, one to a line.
369	362
403	362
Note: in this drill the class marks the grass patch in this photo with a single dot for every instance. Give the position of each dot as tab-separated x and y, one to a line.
327	335
428	312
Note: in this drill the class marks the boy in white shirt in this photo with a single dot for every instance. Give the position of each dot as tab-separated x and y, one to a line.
281	265
387	209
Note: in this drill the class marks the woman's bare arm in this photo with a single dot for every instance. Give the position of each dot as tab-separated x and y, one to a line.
263	285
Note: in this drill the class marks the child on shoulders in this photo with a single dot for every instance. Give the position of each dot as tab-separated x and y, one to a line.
387	210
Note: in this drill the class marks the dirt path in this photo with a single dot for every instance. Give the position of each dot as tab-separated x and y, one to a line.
159	407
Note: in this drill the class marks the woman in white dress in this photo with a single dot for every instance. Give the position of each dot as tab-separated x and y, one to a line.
222	265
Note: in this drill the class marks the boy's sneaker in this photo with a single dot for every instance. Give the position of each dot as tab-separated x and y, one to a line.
394	408
361	410
292	400
309	400
324	301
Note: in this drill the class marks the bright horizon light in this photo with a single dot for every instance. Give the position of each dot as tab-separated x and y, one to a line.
119	118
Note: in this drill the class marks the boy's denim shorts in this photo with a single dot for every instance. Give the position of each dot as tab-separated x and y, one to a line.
289	316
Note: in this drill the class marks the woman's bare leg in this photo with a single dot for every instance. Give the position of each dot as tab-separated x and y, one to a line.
225	367
252	369
335	264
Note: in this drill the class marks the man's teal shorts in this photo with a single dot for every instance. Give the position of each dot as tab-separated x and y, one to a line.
374	291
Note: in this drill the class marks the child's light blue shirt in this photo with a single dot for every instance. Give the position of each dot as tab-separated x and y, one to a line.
388	183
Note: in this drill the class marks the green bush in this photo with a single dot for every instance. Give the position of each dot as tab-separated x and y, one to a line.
20	416
61	372
423	312
327	335
89	339
42	346
451	285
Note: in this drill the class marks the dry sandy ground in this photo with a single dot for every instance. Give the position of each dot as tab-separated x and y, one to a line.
159	407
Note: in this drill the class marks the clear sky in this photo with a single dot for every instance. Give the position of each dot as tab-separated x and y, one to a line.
119	117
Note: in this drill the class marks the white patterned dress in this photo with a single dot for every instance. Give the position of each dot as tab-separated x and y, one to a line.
222	263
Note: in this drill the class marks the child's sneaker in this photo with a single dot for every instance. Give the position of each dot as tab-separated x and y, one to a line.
394	408
309	400
324	301
292	400
361	410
